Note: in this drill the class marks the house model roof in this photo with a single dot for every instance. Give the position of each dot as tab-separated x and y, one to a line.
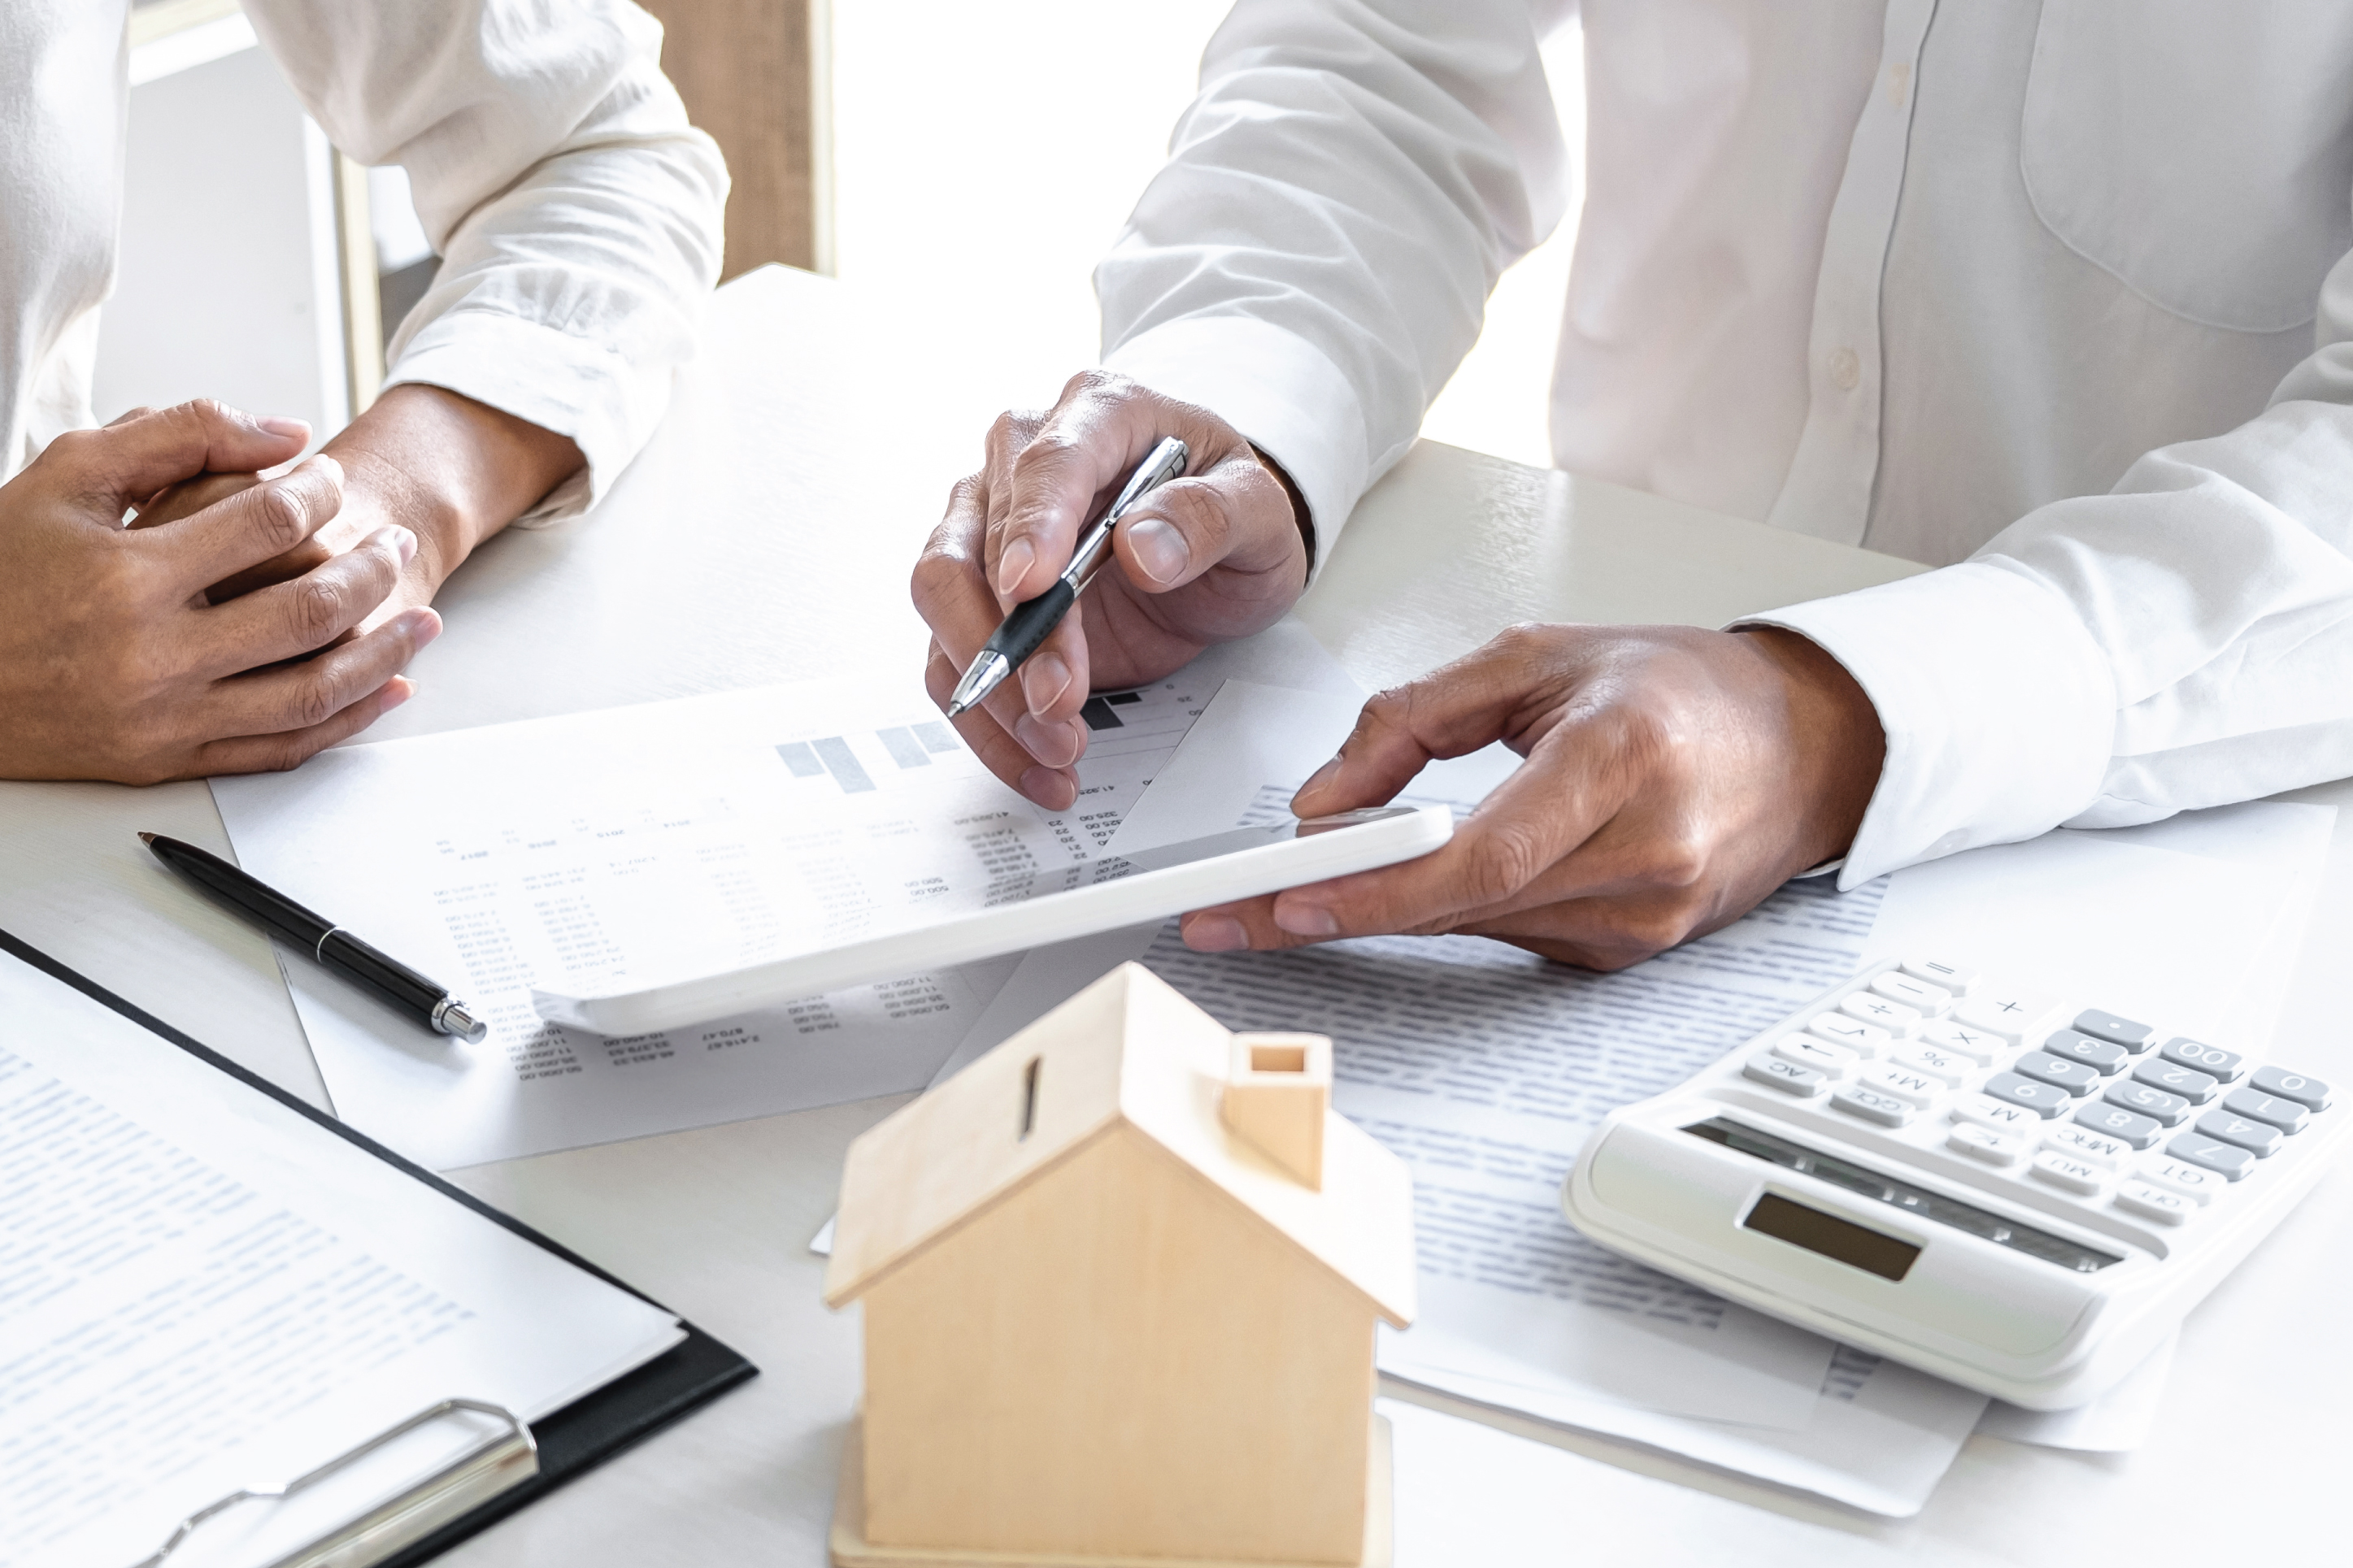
1127	1052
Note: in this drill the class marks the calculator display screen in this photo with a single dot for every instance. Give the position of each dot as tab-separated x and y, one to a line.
1918	1202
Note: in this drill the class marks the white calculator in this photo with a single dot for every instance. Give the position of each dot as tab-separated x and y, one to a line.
1988	1182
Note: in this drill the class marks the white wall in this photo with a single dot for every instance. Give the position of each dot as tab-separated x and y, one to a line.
985	156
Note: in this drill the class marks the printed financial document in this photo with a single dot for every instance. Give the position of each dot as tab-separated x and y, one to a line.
201	1289
661	842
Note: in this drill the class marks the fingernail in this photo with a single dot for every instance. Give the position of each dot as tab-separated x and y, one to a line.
1159	548
396	690
422	626
403	542
289	429
1049	787
1215	933
1321	776
1056	745
1304	920
1013	566
1044	679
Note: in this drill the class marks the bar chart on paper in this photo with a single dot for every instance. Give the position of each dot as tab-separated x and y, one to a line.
644	844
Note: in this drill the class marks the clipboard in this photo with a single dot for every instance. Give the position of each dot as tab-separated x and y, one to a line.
522	1464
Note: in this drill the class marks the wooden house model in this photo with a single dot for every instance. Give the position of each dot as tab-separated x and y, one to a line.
1121	1278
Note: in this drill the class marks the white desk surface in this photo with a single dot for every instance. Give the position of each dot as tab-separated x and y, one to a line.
766	535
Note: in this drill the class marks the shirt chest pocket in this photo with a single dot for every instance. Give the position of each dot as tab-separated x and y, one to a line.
2199	151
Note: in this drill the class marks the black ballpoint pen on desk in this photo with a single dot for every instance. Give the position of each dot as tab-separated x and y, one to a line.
330	944
1018	636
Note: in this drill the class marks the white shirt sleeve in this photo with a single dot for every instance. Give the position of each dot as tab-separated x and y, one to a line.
576	213
2185	640
1314	259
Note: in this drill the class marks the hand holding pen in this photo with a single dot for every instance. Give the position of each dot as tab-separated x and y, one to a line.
1217	553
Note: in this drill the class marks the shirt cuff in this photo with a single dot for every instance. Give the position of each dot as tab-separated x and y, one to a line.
1284	396
1998	707
556	380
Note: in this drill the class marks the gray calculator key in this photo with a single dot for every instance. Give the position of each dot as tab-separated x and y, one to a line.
2192	1085
2077	1047
2260	1137
2045	1099
2226	1160
2115	1122
2256	1106
1787	1077
2132	1037
2075	1078
2171	1110
2308	1092
2206	1059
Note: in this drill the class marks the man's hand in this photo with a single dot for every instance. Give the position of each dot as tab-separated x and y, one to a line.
1674	779
1217	554
113	663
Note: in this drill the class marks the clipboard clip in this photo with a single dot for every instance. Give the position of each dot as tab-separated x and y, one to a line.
504	1460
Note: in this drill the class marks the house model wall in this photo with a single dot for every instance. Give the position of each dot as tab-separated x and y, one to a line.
1100	1320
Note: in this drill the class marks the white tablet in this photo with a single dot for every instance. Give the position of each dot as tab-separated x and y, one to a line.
1123	890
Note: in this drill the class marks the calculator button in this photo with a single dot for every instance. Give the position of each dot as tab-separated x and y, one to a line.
2192	1085
2045	1099
2261	1138
2013	1015
1872	1105
1881	1014
2075	1078
1929	1001
2111	1121
2152	1202
1956	978
2225	1160
1864	1039
1808	1052
2308	1092
1978	1046
1904	1083
2197	1183
1936	1063
1985	1144
2171	1110
2284	1114
2133	1037
2105	1055
2001	1115
2085	1145
2221	1063
2069	1173
1788	1076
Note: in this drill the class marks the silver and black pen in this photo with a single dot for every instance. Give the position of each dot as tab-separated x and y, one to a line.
329	945
1028	624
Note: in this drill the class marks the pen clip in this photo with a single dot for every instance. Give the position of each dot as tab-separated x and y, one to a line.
1165	461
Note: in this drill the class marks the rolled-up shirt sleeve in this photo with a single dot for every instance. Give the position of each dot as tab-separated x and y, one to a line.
576	213
2185	640
1313	261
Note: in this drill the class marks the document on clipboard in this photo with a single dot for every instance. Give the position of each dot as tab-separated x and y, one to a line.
234	1334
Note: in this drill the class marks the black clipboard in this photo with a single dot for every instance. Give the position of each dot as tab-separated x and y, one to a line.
573	1440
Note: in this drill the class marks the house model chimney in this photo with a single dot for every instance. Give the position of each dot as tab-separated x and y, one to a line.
1278	1088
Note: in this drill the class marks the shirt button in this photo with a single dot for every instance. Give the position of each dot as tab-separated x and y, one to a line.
1899	78
1845	370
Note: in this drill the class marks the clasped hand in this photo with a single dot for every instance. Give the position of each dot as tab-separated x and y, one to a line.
226	640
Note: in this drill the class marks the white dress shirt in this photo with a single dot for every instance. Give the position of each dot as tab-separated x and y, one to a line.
576	213
2055	290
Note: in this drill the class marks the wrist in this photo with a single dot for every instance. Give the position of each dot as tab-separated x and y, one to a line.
1835	743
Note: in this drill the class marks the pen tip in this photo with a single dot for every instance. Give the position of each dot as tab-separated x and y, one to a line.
146	838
